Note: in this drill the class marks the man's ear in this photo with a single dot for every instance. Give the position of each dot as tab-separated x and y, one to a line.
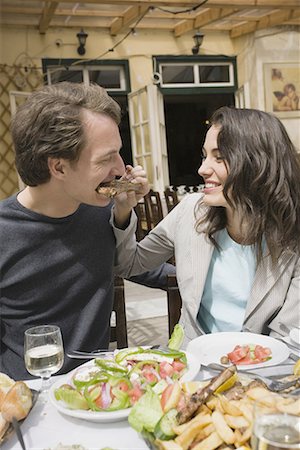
56	167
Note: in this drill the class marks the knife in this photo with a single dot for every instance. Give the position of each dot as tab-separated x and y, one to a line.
281	370
88	355
18	431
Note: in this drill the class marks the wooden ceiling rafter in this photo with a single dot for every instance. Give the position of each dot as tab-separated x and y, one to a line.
201	19
130	16
47	15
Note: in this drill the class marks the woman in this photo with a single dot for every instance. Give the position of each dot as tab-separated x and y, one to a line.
236	244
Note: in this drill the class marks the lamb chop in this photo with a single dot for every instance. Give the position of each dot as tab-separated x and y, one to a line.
201	396
114	187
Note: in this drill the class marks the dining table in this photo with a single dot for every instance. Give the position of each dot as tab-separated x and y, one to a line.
45	427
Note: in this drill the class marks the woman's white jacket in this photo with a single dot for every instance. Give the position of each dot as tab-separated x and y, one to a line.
275	294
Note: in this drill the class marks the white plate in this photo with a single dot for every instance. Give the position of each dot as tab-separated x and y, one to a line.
209	348
295	335
110	416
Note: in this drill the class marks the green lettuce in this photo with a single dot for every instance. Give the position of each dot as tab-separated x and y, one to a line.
146	412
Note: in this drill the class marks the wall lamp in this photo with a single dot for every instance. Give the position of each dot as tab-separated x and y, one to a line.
198	39
82	35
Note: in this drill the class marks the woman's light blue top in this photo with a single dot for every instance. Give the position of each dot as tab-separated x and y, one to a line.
228	285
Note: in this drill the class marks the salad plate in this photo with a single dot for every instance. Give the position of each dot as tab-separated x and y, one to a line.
193	367
209	348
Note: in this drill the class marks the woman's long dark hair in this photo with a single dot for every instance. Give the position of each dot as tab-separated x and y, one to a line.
263	182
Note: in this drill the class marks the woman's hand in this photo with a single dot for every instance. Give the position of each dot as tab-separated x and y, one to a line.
125	201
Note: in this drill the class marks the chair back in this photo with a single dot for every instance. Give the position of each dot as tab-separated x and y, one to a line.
153	207
143	221
118	331
171	199
174	302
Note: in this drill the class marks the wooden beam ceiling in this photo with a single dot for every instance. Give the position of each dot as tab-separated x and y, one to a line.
236	17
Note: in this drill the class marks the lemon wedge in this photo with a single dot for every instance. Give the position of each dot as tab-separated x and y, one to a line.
227	384
296	368
189	387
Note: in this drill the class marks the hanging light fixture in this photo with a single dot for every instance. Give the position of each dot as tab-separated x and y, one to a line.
198	39
82	35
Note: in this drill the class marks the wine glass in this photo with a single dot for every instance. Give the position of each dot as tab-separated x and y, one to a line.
276	423
44	354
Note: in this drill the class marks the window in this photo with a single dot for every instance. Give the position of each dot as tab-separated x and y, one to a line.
112	76
196	72
177	74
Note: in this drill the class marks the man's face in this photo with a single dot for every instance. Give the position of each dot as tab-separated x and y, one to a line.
99	161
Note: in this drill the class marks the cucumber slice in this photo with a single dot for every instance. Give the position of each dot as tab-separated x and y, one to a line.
164	428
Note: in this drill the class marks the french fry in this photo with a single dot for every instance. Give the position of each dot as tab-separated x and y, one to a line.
236	421
289	408
247	409
212	442
242	437
186	438
259	393
205	432
212	402
198	420
167	445
203	410
224	431
229	407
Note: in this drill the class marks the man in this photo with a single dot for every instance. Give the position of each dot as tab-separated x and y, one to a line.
57	241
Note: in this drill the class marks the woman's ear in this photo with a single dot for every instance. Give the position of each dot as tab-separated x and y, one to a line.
56	167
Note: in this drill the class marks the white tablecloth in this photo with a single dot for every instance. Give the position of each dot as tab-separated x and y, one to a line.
45	427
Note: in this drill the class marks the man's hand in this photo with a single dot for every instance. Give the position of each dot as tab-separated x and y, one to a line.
125	201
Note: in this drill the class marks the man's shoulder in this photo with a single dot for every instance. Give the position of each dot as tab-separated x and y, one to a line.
7	203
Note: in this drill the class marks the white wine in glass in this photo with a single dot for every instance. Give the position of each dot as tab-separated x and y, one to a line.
276	423
44	353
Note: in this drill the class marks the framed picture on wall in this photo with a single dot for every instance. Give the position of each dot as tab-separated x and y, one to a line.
282	89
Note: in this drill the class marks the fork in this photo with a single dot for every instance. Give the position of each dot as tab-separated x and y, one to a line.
273	385
77	354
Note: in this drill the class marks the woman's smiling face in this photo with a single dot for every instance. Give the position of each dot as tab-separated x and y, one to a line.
213	170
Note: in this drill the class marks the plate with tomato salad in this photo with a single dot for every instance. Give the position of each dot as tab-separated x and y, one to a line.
246	350
105	389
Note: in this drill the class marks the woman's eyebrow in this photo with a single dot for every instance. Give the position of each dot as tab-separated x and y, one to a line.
214	150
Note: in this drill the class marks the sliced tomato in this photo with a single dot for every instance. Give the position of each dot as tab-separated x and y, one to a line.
166	395
135	393
123	386
150	375
178	366
239	352
95	394
165	369
262	353
246	360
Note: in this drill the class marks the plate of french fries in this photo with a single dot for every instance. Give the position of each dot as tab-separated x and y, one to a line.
210	415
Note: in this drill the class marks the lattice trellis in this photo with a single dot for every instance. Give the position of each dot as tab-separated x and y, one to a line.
12	79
